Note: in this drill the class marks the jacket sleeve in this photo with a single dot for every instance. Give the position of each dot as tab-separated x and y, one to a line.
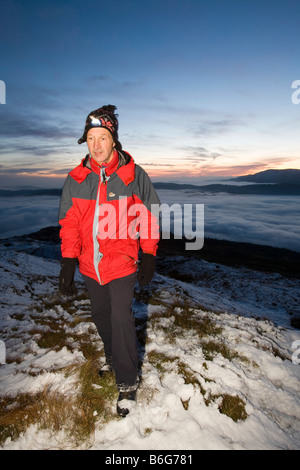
149	215
69	222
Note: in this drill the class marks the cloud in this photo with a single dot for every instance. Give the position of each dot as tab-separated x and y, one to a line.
12	126
217	126
255	221
40	149
100	78
36	171
28	215
154	164
200	154
117	87
262	220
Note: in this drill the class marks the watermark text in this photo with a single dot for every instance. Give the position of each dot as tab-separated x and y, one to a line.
296	354
296	93
136	221
2	352
2	92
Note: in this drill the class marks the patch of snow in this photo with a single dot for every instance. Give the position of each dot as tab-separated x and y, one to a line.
170	413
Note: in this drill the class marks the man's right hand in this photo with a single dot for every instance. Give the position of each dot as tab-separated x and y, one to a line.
66	276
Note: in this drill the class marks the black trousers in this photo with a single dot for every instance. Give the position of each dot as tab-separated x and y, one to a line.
112	314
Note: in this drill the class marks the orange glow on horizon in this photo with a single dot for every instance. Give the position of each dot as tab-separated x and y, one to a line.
42	175
176	172
239	162
214	172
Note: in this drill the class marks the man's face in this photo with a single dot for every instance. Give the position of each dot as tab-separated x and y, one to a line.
100	144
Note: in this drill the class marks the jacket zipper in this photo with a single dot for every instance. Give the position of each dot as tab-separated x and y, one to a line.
97	253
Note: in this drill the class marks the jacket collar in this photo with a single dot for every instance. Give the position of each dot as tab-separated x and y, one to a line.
109	168
126	170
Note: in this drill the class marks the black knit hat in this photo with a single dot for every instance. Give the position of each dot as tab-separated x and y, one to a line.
102	117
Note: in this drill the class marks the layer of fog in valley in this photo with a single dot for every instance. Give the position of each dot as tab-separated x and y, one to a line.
254	218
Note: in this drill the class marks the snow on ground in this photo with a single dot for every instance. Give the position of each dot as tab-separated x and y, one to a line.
183	385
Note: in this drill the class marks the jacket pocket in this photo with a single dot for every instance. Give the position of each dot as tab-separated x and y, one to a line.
127	257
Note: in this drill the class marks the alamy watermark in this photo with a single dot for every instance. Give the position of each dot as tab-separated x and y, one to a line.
2	352
296	354
296	93
136	221
187	221
2	92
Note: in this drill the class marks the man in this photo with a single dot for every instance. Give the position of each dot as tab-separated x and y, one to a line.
106	214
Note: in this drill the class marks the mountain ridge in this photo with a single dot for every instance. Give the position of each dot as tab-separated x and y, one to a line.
285	176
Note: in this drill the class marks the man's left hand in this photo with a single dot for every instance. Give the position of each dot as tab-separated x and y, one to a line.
147	268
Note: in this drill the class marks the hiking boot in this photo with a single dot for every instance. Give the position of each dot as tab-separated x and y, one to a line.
125	403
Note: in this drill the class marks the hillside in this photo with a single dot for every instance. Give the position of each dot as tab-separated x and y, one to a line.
45	243
219	369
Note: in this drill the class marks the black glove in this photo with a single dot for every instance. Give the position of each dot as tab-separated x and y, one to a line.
66	276
147	268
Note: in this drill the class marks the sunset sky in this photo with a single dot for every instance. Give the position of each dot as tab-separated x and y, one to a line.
203	87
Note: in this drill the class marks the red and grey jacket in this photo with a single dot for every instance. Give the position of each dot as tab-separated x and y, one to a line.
106	215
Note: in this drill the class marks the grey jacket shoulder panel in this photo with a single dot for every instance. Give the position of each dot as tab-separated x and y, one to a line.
65	200
72	189
143	188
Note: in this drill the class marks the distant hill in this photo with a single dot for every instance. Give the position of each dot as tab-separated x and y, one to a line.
30	192
272	176
259	189
269	182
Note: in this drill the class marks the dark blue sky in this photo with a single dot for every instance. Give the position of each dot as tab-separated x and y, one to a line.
203	87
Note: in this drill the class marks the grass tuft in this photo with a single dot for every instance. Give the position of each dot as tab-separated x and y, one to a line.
234	407
76	414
